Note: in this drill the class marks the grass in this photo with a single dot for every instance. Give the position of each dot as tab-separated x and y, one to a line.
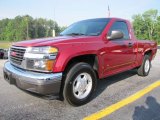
5	45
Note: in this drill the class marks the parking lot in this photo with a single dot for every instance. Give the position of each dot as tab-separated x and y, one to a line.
16	104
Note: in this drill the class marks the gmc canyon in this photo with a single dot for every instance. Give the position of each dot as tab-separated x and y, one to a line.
70	65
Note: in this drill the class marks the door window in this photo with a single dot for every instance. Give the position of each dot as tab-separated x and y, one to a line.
121	26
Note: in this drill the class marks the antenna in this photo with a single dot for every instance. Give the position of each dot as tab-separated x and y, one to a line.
54	9
108	11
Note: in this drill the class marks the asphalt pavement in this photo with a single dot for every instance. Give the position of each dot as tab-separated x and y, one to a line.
16	104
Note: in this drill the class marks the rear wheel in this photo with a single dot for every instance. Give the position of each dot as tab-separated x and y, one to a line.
144	69
80	84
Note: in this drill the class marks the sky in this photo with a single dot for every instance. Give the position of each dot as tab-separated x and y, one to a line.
66	12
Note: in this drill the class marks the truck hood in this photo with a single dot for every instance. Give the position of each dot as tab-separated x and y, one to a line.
53	41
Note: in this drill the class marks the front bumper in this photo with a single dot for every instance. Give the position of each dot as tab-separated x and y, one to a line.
41	83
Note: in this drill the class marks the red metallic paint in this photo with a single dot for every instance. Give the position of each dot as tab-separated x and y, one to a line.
113	56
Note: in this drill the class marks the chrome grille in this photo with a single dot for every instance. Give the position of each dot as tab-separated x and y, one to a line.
17	55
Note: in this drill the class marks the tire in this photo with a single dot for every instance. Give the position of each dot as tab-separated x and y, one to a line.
80	83
144	69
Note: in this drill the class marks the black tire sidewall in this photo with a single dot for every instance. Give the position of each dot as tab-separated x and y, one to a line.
71	76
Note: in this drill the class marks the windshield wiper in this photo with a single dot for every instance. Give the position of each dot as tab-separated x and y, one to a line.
93	34
75	34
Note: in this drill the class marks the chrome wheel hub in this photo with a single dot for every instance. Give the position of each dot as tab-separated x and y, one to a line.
82	85
147	66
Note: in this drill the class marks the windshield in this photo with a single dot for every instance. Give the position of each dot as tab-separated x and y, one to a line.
93	27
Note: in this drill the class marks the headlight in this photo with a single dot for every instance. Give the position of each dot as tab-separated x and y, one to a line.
40	65
42	50
41	58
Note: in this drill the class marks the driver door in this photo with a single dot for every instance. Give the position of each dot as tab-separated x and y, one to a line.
119	52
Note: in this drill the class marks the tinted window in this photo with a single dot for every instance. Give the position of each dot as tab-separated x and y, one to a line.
87	27
121	26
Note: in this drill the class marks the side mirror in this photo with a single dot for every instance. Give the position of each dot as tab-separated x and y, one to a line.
115	35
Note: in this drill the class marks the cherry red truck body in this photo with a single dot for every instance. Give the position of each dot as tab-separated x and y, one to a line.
110	56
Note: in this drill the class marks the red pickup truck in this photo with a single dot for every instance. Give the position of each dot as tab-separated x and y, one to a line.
70	65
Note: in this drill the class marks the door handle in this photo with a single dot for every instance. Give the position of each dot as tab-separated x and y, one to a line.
130	44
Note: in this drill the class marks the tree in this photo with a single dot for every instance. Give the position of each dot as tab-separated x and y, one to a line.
26	27
63	28
157	32
146	25
150	19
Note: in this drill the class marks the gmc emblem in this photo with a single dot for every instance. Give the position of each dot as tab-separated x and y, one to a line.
13	53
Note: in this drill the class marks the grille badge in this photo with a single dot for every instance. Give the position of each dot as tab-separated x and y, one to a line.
13	53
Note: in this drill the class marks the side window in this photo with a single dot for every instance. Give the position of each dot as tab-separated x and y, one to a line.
121	26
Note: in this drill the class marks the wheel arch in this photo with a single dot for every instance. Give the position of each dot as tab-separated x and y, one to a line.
91	59
149	53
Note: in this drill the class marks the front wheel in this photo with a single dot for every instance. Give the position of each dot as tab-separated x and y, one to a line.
144	69
80	84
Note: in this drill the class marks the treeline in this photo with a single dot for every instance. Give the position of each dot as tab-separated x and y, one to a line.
26	27
147	25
